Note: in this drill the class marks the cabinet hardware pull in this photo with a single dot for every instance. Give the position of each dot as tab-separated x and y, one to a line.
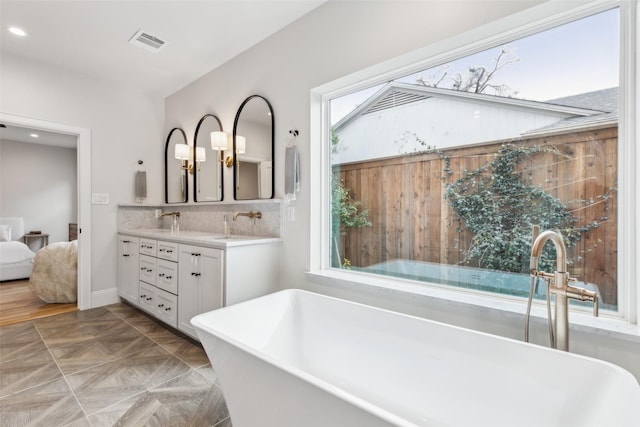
126	241
160	305
167	309
143	296
149	299
125	254
168	277
161	275
169	251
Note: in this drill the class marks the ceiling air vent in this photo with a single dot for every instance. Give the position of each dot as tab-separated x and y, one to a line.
146	41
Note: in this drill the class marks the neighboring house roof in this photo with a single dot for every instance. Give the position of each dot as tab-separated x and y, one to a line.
604	101
394	94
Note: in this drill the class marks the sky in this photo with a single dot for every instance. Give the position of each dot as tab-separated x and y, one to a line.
578	57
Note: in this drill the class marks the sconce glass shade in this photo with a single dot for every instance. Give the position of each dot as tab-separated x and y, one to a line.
241	144
201	154
219	141
182	152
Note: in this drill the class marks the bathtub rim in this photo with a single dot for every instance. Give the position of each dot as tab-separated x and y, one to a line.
349	397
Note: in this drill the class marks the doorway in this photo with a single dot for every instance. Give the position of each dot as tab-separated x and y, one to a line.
83	149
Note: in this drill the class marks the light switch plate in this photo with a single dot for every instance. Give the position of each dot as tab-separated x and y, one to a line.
99	198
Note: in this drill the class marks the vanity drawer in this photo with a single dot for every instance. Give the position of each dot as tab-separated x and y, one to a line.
167	277
147	297
168	250
148	247
166	305
148	269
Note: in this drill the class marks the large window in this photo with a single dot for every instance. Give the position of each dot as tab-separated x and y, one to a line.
440	176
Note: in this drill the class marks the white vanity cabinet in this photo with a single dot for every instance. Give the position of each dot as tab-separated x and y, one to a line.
128	265
183	276
200	283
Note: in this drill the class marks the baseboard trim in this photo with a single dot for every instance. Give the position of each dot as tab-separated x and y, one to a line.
104	297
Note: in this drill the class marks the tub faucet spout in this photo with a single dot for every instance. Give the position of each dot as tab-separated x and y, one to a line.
558	285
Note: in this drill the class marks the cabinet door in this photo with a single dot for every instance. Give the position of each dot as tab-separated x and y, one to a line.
128	259
200	281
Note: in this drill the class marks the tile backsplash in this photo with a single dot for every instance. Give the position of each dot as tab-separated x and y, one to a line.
208	218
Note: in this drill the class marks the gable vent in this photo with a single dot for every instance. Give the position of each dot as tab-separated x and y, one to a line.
395	99
146	41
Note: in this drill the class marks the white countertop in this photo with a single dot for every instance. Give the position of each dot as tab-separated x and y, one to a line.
202	238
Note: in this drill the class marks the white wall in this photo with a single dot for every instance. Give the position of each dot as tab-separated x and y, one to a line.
125	124
39	183
334	40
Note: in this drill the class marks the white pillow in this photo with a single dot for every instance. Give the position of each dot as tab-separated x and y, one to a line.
5	233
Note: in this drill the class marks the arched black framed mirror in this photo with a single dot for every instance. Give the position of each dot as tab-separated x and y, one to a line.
253	164
177	155
207	175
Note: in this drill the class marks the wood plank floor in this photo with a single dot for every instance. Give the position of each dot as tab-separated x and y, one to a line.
18	304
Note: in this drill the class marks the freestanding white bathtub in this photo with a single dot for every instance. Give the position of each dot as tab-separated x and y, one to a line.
299	359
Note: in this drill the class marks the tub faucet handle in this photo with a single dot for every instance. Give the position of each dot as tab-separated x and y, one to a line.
583	294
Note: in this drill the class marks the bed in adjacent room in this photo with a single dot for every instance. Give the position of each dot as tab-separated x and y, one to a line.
16	259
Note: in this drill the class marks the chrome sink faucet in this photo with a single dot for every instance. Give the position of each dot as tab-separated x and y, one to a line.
250	214
175	227
558	285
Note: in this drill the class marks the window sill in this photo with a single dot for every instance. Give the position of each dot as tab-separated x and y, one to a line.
580	320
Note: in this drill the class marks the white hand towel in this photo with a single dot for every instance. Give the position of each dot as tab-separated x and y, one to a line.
291	172
141	185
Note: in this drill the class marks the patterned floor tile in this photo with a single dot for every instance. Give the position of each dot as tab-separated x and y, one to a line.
124	367
51	404
87	354
123	310
189	400
186	350
19	340
90	315
60	334
104	385
209	374
29	371
224	423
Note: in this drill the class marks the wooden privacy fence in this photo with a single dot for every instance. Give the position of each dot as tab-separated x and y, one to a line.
411	220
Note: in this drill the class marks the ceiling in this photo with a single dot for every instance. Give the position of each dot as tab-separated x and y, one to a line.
91	37
21	134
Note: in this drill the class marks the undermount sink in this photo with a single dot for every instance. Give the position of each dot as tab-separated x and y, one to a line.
228	237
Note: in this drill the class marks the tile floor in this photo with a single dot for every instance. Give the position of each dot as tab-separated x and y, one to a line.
108	366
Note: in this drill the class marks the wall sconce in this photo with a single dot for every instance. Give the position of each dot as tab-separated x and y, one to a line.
220	143
184	153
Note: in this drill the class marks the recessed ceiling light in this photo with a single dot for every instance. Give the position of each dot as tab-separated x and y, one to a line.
17	31
34	135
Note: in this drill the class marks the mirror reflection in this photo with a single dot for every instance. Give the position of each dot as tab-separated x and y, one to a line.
177	155
253	148
207	175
